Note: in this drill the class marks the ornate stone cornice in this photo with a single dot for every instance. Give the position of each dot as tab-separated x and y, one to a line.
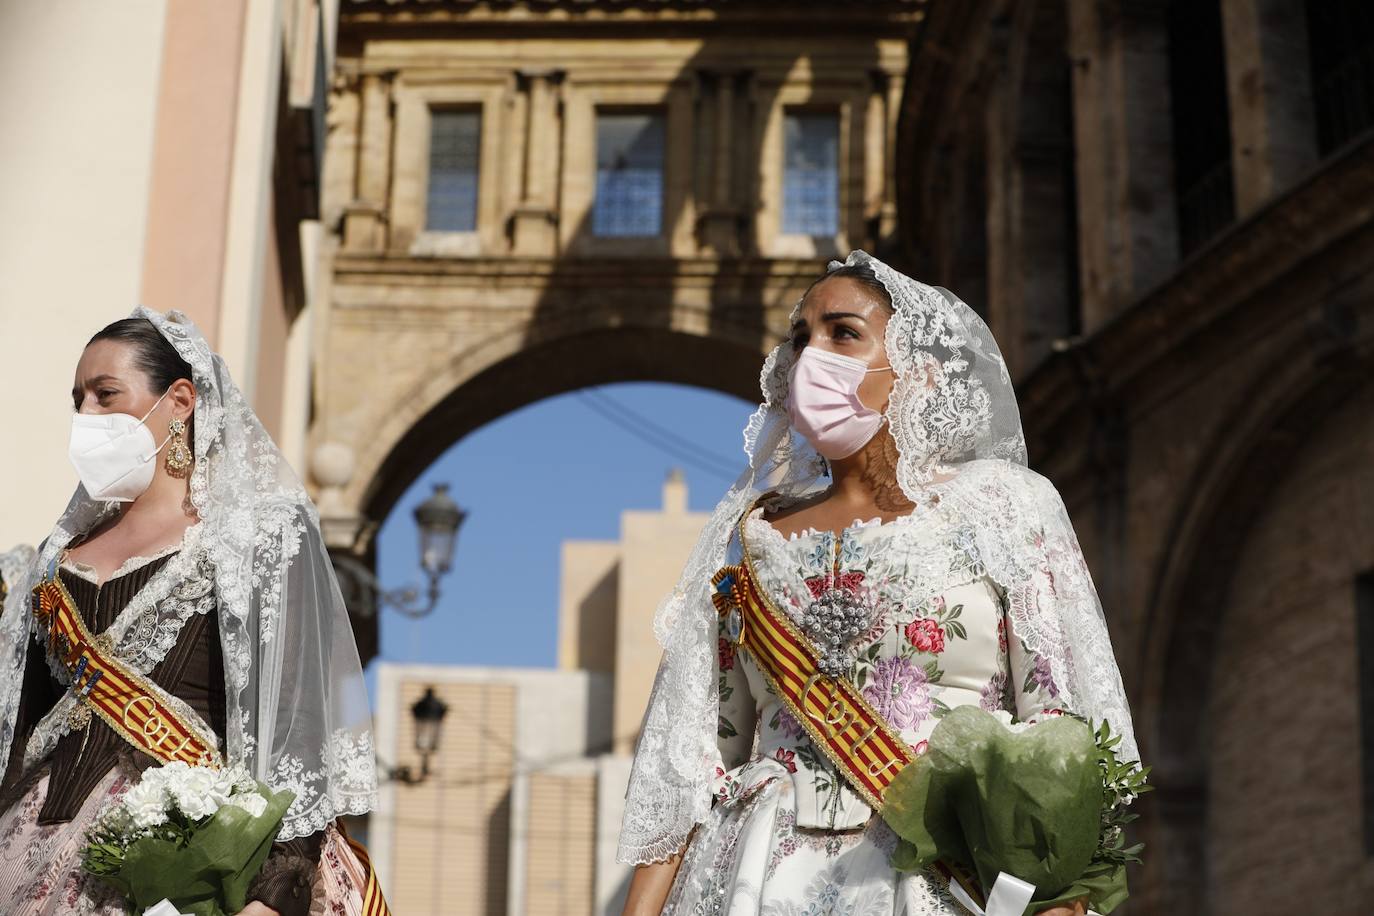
636	11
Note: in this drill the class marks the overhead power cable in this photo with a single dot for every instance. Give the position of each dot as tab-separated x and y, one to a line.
678	441
662	438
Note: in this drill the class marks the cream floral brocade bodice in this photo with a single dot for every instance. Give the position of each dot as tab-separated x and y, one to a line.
938	637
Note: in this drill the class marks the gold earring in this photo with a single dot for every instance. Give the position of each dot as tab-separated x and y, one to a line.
178	450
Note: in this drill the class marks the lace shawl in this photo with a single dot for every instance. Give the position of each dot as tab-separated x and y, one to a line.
953	416
297	707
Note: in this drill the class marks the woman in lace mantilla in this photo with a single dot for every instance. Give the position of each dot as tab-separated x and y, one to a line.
203	581
934	570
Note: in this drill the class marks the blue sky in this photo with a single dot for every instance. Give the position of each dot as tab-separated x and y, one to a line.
556	470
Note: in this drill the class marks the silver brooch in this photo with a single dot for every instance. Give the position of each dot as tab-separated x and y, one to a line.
833	622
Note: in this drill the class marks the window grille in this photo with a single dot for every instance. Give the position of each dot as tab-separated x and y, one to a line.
451	204
629	175
811	174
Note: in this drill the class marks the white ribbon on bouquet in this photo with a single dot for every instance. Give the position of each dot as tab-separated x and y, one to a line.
1009	897
163	908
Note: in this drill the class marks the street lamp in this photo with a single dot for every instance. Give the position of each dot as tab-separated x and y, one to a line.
428	712
438	519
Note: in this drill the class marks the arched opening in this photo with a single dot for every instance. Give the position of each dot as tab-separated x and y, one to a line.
558	470
597	356
966	254
542	641
1229	595
1032	246
1341	41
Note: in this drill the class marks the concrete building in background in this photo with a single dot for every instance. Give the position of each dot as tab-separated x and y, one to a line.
608	594
164	153
522	812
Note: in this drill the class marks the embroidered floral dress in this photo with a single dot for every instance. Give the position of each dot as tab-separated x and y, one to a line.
786	834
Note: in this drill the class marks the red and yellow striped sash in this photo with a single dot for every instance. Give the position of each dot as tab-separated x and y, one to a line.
374	904
834	713
135	709
102	684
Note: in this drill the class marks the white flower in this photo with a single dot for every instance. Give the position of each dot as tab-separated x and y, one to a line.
146	804
167	773
116	820
252	802
199	791
242	779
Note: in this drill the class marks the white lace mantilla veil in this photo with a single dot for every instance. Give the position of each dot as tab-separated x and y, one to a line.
954	418
297	710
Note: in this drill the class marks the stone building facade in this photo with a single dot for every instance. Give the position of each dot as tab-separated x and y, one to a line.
161	153
1163	208
1166	207
528	198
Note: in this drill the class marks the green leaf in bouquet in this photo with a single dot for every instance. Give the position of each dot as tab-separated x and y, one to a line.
1028	803
1103	883
237	844
155	868
209	874
103	859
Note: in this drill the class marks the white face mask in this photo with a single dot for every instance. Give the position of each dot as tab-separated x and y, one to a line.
114	454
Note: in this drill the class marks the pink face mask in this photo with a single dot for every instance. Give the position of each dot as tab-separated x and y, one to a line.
823	402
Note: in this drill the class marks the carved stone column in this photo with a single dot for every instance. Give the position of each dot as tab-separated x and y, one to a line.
880	204
1128	239
720	221
365	218
534	222
339	175
1269	87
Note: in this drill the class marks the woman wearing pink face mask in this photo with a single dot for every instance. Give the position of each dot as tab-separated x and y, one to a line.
192	557
890	526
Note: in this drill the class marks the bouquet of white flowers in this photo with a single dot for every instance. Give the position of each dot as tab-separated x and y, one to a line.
192	835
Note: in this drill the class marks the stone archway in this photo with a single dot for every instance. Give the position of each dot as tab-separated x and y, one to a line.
581	358
430	321
407	386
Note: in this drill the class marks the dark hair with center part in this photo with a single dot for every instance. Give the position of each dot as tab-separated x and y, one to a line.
154	355
861	273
